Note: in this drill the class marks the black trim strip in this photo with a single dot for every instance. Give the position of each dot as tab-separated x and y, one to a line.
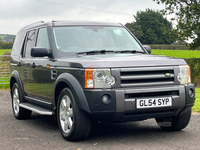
37	100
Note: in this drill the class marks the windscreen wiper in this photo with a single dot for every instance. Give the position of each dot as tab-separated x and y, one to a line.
94	52
130	51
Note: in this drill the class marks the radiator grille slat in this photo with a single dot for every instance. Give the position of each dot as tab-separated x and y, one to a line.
146	76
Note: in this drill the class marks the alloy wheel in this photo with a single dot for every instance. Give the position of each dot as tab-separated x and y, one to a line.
66	114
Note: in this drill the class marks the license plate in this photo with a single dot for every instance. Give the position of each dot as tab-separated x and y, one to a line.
154	102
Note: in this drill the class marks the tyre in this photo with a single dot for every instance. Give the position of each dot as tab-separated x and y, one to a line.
74	124
175	123
19	112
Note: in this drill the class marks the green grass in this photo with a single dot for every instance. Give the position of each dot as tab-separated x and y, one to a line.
2	51
196	107
177	53
4	86
4	80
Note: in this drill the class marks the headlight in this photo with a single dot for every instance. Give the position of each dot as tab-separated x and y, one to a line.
98	78
184	75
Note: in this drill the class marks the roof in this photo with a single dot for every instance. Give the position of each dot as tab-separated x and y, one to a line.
31	26
75	22
68	23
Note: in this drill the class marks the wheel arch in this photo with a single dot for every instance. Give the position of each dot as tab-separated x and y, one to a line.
15	78
67	80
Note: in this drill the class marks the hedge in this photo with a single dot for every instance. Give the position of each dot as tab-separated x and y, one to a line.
169	47
6	45
194	64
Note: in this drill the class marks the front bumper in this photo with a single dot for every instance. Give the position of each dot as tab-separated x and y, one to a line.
123	102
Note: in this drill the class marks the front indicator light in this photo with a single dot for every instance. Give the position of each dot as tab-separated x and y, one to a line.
89	82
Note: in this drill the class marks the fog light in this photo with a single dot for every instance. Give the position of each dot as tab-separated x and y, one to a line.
191	92
106	99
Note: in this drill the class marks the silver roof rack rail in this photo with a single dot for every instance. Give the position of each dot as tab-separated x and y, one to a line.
38	22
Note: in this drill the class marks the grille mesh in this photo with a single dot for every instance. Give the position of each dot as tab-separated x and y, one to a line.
146	76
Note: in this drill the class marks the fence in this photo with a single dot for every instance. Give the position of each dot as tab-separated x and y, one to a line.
4	69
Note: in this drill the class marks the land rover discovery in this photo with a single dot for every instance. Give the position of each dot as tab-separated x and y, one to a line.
79	71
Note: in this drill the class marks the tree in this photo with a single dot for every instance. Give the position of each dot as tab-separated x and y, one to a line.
6	45
151	27
187	14
135	29
8	37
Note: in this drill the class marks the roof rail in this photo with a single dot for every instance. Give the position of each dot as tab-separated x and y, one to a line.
58	20
39	22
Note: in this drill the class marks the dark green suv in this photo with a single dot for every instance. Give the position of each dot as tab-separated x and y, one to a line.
80	71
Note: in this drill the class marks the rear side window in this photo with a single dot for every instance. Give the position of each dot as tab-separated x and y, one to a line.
30	42
18	43
42	39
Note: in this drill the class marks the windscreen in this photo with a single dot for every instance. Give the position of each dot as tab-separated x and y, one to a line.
74	39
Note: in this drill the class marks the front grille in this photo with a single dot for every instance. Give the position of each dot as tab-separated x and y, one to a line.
137	116
150	113
146	76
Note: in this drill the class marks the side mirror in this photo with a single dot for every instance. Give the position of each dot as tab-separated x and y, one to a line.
148	48
39	52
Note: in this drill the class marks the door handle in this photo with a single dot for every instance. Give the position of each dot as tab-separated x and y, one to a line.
33	65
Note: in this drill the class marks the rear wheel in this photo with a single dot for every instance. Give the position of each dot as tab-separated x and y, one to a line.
19	112
175	123
74	124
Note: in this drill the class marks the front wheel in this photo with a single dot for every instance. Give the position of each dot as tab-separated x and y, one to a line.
74	123
175	123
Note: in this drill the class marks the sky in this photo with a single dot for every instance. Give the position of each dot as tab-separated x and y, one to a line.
15	14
